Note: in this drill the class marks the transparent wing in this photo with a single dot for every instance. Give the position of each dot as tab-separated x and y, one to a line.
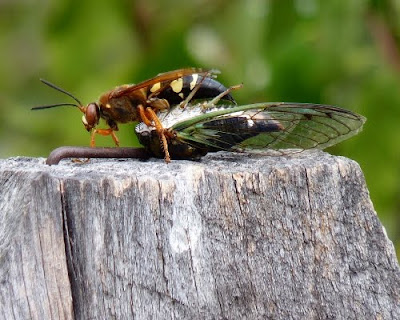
270	126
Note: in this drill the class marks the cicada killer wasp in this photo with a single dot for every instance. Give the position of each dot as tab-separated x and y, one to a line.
142	102
284	127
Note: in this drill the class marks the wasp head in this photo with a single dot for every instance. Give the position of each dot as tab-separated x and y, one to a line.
91	116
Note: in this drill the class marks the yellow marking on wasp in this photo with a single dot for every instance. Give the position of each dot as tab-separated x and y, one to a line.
155	87
182	95
84	121
177	85
195	76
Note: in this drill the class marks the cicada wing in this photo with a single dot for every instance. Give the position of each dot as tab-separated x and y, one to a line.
307	126
271	126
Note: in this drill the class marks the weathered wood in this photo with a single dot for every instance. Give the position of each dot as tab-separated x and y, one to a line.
230	237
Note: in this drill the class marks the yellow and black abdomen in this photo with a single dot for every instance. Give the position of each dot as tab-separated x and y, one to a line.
177	90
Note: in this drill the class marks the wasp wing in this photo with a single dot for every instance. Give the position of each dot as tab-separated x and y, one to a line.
270	126
162	77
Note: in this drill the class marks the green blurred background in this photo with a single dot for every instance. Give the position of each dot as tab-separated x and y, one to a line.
341	52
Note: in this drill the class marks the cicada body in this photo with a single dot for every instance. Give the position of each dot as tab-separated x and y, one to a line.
256	127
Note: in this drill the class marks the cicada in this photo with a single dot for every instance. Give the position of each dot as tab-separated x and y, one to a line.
194	132
142	102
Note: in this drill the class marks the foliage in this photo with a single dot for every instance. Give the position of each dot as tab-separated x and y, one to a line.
341	52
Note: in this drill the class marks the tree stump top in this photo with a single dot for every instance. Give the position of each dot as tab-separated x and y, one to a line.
232	236
224	162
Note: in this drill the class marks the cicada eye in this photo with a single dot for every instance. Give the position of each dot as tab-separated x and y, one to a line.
91	117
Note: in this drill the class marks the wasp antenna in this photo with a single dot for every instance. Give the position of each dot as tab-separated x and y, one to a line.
51	85
54	105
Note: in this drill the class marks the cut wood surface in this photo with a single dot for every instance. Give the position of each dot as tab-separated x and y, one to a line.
230	237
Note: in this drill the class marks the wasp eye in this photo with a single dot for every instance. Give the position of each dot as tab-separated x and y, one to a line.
91	117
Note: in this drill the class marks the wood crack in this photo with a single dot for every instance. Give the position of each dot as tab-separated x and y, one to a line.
72	273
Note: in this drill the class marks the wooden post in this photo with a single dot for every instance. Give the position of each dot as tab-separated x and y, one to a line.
229	237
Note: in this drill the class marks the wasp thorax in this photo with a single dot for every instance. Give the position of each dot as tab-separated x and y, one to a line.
91	116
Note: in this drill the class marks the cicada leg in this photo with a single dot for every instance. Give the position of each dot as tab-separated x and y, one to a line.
103	132
150	119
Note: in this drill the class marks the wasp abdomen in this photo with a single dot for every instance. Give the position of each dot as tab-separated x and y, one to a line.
177	90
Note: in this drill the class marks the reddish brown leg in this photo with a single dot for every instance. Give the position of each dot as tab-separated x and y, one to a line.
103	132
150	118
185	102
143	116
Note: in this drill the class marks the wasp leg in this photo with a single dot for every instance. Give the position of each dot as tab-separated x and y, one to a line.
149	117
81	161
143	116
185	102
159	104
214	101
103	132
